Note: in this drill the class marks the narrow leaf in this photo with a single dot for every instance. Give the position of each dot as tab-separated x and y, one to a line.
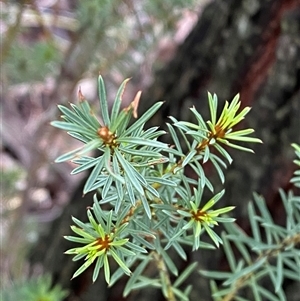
144	118
118	100
93	176
185	274
103	101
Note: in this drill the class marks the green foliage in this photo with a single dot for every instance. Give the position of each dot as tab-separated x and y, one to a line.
35	289
8	182
296	178
25	61
39	42
122	34
145	203
270	252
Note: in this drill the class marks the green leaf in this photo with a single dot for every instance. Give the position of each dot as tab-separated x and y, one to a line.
70	116
200	172
78	118
213	103
93	176
189	157
109	224
253	222
225	219
144	118
174	137
140	152
266	293
185	125
199	118
100	231
169	262
106	269
120	262
238	118
180	251
103	101
78	239
233	136
118	100
185	274
90	163
82	268
180	294
84	113
184	138
68	156
145	282
238	241
213	200
223	152
98	211
136	247
119	272
74	128
215	213
260	202
206	154
254	285
279	272
142	241
221	293
215	274
246	271
218	168
178	233
140	141
197	135
87	114
135	276
161	180
119	182
129	170
79	137
229	253
130	191
213	235
107	187
146	206
249	150
98	266
91	219
91	145
83	226
107	163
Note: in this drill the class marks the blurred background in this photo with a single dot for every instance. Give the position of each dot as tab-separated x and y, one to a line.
175	50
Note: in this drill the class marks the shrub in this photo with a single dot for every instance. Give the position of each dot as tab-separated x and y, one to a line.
145	203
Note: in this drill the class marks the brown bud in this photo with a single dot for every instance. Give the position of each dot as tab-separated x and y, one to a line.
104	133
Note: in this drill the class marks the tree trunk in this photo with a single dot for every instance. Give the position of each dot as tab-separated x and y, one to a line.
251	47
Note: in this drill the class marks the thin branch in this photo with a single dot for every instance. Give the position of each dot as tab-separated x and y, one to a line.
164	276
240	282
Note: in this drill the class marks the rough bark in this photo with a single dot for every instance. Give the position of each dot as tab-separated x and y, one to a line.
251	47
261	62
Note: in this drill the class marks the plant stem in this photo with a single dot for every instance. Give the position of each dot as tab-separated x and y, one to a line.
293	240
164	276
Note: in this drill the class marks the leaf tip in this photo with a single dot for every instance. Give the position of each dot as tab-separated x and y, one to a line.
135	103
80	95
